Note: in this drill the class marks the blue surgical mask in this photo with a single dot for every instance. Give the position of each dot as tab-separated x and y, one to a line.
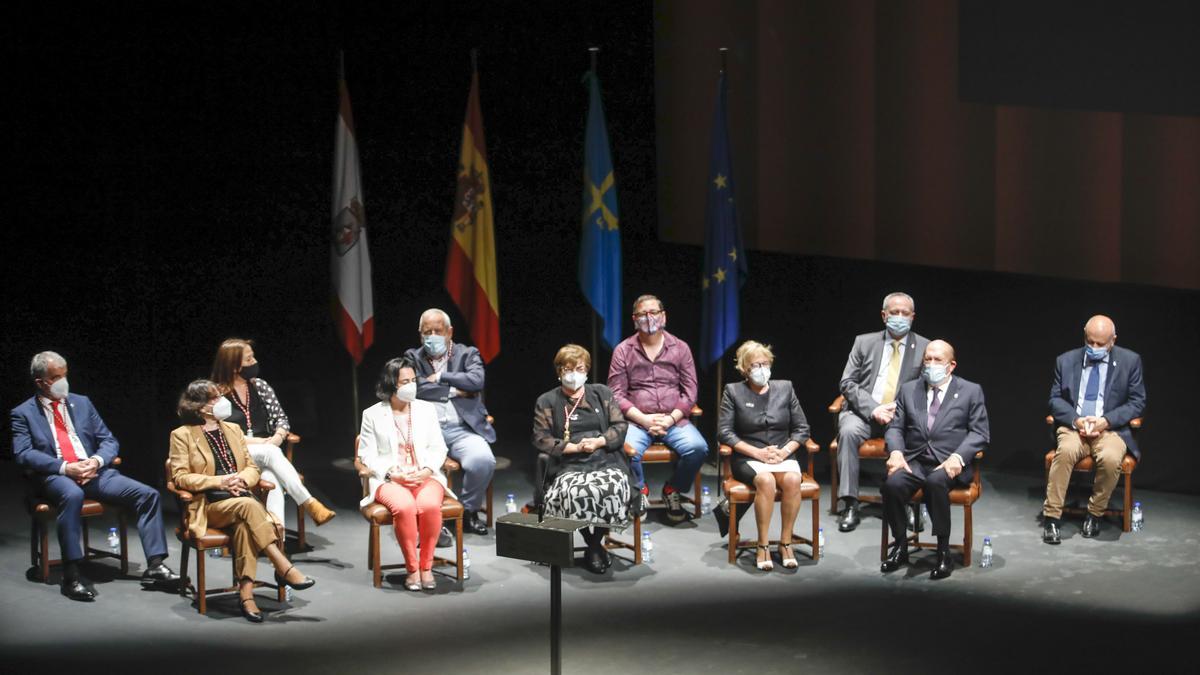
934	374
435	345
1094	354
898	325
760	376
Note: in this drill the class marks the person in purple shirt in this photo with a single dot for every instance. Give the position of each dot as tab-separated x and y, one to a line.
653	379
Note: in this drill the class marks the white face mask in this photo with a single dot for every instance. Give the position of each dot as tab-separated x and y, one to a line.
760	376
60	389
574	379
222	409
407	392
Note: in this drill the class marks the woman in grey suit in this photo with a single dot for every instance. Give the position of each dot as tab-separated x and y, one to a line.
762	421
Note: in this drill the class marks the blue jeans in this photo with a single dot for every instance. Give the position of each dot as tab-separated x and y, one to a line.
685	440
478	463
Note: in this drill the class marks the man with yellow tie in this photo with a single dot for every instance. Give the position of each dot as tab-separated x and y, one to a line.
878	364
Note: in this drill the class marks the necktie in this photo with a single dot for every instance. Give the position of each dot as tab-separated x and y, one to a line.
893	376
934	406
1092	391
63	436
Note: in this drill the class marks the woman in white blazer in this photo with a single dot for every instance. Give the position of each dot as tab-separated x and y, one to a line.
401	444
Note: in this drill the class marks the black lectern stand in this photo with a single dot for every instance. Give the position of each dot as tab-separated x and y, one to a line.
551	542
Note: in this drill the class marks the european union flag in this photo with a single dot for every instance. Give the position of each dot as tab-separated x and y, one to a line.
724	259
600	246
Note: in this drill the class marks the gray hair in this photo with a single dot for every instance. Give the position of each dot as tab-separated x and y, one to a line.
899	294
42	361
445	317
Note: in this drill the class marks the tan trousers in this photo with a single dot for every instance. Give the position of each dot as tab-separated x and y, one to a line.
250	527
1107	452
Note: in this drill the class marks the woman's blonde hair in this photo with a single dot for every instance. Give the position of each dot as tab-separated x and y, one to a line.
746	353
571	354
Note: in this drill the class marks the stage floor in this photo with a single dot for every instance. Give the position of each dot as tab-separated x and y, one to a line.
1118	600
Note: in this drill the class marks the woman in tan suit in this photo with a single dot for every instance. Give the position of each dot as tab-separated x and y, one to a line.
209	458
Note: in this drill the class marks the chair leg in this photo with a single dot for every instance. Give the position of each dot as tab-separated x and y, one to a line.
833	475
44	531
33	542
301	541
883	542
123	531
201	593
489	509
968	538
377	574
697	490
183	567
637	541
733	533
1127	517
816	527
458	547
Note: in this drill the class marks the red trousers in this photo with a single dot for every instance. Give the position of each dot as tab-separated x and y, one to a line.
416	514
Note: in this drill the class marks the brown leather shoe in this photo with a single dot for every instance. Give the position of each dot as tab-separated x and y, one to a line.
319	513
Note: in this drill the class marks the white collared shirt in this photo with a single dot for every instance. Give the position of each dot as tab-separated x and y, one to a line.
1083	378
80	451
884	362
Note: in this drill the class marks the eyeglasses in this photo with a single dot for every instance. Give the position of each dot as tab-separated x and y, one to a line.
654	313
578	369
760	364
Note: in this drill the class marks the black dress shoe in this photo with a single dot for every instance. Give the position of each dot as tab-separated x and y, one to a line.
916	522
252	617
473	524
592	560
897	557
849	518
78	589
1050	534
281	579
159	574
605	558
945	565
1091	526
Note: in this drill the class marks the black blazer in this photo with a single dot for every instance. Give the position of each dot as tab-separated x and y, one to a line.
961	426
783	413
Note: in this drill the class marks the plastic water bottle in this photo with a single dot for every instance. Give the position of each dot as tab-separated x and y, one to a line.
214	552
510	503
821	538
114	540
647	548
985	560
466	564
1136	521
705	500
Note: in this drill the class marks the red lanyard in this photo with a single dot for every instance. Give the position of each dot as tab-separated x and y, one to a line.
244	408
406	444
217	440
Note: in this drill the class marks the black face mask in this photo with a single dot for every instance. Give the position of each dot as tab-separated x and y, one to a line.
250	372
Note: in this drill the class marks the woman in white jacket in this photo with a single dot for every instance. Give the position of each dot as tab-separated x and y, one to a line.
401	444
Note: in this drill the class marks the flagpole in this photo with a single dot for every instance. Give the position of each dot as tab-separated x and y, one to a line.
592	53
354	394
724	52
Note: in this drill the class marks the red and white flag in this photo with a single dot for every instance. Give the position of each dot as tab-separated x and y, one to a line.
354	313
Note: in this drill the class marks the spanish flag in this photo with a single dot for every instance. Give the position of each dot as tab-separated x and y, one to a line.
471	262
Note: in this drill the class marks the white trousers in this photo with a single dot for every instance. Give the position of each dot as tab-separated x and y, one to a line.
277	469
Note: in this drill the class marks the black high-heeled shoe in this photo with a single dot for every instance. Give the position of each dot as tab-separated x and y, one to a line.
281	579
252	617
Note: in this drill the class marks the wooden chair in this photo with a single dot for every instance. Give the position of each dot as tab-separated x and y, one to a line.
377	515
212	539
740	494
659	453
961	496
1087	465
42	513
872	448
451	466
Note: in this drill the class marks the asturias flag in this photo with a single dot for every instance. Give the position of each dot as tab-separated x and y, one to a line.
354	312
724	259
471	261
600	246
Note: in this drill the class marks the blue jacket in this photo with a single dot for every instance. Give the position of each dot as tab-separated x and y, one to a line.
465	373
1124	392
33	439
961	426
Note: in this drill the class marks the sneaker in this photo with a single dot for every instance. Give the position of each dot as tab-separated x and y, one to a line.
674	504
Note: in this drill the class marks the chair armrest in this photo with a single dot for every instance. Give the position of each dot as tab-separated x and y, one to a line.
836	406
724	450
289	445
491	420
696	411
116	461
812	446
1050	419
1135	423
182	495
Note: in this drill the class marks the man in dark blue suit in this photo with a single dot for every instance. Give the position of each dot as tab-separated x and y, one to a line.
940	423
451	376
60	440
1097	391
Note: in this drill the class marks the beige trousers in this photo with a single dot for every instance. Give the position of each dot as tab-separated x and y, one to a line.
1107	452
250	527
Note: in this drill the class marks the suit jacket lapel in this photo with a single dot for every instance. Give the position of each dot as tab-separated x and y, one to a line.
1076	374
921	406
876	356
910	355
39	416
202	445
949	400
